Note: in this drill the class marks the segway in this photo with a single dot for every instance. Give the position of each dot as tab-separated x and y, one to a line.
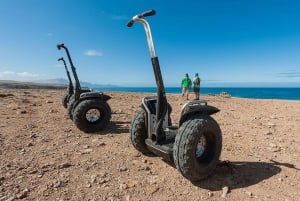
70	88
89	110
194	146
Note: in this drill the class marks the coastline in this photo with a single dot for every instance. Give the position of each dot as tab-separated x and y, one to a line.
292	93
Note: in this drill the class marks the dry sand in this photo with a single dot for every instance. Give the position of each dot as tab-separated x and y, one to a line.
45	157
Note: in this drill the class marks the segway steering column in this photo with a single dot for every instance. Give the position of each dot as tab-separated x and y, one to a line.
162	105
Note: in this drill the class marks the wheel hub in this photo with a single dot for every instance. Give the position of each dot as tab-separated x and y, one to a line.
93	115
200	149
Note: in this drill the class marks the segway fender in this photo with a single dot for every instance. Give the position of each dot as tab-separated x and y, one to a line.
97	95
193	108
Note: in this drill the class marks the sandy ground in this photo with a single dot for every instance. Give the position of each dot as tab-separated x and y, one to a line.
45	157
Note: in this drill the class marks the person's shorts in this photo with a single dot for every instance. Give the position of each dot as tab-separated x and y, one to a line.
197	89
185	90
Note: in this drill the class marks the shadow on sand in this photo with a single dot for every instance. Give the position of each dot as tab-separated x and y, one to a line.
114	128
241	174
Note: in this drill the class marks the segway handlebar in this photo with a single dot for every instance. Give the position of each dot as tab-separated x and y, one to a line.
60	59
60	45
144	14
140	18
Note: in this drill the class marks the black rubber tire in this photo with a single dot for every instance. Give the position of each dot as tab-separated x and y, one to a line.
169	115
186	141
80	111
138	133
64	100
70	106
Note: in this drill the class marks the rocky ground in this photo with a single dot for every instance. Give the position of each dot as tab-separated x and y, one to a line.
45	157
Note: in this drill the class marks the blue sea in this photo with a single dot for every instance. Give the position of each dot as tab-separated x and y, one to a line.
283	93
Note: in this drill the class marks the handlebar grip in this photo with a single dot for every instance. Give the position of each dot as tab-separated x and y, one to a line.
147	13
144	14
59	46
130	23
60	59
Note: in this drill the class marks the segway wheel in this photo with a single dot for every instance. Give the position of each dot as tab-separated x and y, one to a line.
64	100
138	133
197	147
70	106
91	115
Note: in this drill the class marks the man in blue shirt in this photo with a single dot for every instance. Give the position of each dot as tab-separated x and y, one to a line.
196	82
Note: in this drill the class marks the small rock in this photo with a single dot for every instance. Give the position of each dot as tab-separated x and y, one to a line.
23	194
86	151
123	186
93	178
122	169
137	154
29	144
33	172
22	112
249	193
210	194
102	181
64	165
270	125
48	101
57	184
33	136
22	151
225	191
102	144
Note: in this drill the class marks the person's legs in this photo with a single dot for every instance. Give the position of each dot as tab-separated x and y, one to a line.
183	91
187	93
196	90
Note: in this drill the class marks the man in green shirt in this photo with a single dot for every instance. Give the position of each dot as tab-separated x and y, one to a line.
186	84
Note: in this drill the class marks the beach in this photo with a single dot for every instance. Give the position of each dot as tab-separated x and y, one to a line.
45	157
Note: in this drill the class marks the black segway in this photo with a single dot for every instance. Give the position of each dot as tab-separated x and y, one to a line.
89	110
195	145
70	88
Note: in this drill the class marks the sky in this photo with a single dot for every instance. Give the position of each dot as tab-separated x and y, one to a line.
229	43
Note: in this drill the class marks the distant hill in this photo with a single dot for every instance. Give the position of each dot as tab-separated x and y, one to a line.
83	84
9	84
58	83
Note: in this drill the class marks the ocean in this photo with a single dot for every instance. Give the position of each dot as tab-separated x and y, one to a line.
283	93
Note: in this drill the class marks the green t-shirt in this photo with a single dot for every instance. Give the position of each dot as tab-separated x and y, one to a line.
186	82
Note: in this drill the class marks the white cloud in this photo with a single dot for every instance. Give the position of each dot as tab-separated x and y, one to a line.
93	53
27	75
6	73
14	75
